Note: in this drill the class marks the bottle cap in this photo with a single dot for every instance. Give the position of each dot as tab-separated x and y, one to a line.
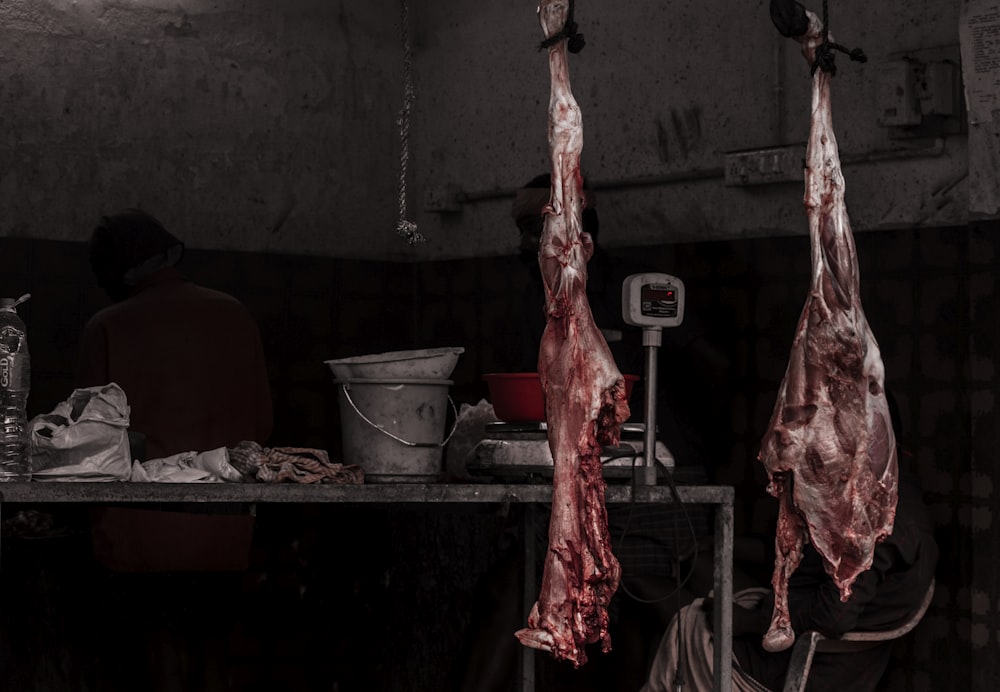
11	303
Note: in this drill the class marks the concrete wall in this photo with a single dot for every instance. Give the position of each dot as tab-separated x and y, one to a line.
250	125
266	126
666	89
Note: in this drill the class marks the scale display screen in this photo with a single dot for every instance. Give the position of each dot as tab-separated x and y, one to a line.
658	300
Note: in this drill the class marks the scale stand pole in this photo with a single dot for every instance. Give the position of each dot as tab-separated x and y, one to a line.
652	339
651	301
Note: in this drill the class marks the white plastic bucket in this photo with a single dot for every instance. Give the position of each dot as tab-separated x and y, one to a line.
424	363
395	428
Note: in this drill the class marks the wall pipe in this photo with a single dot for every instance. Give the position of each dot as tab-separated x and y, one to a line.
640	181
934	149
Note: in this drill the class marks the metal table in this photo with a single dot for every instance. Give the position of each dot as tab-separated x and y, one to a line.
422	494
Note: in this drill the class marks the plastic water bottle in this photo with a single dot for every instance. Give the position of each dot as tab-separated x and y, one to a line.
15	380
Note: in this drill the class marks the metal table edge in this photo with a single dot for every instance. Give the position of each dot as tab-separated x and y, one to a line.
402	493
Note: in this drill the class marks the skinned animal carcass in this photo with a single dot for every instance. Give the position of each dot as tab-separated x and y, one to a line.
584	393
829	449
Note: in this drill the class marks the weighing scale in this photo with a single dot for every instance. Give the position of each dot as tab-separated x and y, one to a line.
521	451
652	301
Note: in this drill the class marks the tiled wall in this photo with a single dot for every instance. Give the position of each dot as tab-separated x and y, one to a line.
930	295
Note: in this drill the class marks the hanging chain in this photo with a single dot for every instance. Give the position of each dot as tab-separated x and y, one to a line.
404	227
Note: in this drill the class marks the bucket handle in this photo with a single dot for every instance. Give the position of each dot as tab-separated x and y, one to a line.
347	387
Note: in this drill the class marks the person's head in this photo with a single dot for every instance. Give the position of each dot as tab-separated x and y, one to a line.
128	246
526	211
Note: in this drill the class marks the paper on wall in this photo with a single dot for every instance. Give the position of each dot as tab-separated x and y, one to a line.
979	33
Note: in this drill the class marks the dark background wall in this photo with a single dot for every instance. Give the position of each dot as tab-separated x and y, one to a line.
930	295
265	134
272	127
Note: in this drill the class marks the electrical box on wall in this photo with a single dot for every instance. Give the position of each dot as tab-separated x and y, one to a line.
898	105
937	89
919	94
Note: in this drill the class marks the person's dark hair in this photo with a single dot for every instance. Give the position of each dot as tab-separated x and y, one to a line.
127	246
590	221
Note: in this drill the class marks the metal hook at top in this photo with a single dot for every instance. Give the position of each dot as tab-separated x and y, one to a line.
789	18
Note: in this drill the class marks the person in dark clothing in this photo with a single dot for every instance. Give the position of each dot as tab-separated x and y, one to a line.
116	597
191	362
882	598
189	358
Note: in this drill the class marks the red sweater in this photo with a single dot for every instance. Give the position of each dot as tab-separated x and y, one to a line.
190	361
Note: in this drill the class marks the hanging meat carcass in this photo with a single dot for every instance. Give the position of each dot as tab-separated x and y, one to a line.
584	391
829	449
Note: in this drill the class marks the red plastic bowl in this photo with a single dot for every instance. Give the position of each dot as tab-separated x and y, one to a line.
517	396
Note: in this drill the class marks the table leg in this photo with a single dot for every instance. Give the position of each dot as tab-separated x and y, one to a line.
723	611
527	661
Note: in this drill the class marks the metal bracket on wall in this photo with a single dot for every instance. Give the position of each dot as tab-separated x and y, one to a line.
783	164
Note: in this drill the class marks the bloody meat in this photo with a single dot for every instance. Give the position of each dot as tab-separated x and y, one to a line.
584	394
829	449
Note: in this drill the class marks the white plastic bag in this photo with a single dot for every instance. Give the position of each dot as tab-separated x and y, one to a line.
85	438
188	467
470	429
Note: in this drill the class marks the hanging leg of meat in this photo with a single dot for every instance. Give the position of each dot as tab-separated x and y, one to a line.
829	450
584	395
